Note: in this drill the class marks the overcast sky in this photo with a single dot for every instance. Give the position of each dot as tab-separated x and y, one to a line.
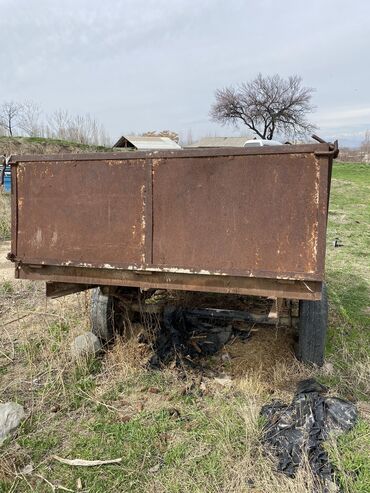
139	65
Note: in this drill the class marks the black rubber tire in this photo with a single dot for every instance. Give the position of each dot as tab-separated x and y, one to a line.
105	319
313	323
102	324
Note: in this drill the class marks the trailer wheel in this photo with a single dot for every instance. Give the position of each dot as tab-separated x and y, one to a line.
107	318
313	322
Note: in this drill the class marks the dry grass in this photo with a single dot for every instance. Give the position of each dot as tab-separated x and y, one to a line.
213	446
61	398
4	215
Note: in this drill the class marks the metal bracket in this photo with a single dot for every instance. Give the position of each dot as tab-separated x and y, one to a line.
333	146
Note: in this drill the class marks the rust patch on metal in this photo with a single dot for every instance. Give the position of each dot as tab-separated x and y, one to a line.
245	215
315	218
84	212
143	223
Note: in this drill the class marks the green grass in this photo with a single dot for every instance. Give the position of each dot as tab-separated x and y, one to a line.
191	448
348	274
6	287
56	142
351	457
67	143
348	347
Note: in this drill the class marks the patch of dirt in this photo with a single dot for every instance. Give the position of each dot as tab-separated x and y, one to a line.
265	362
267	347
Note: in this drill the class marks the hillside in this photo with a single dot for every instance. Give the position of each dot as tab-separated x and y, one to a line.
39	145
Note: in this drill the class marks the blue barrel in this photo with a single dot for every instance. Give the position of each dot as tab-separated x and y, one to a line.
7	180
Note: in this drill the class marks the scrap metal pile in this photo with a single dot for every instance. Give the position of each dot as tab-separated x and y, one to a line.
187	334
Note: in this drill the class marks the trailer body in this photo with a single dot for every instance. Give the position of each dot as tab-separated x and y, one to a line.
240	220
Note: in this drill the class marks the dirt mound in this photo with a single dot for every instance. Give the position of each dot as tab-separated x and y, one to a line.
38	145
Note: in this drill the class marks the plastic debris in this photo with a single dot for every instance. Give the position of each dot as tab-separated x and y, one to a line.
301	428
192	333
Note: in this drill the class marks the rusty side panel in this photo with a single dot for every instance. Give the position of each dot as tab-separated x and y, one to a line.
90	213
256	215
14	218
201	222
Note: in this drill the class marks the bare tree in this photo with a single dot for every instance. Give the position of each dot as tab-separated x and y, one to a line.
83	129
104	137
29	120
27	117
58	124
10	113
266	105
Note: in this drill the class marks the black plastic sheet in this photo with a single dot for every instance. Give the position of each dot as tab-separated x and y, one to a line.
302	427
185	335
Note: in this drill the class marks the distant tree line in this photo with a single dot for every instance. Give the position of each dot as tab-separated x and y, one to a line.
359	154
28	119
163	133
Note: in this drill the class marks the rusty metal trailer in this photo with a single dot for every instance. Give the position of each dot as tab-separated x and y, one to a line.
249	221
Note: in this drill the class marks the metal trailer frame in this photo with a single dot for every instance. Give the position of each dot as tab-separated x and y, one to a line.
170	208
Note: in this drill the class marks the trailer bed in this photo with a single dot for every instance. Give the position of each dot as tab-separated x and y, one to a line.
247	221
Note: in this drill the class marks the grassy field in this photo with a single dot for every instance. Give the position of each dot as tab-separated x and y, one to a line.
41	145
182	432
